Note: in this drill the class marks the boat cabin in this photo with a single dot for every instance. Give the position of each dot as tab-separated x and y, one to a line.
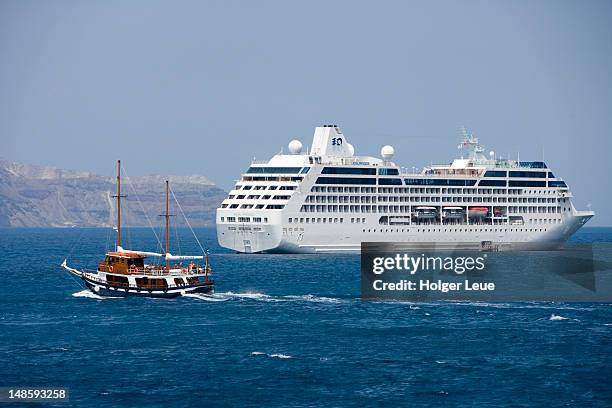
122	262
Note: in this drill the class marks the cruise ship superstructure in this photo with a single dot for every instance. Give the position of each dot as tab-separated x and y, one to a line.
330	200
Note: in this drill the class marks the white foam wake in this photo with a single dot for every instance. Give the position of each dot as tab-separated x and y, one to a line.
279	355
86	293
251	295
262	297
274	355
313	298
207	298
555	317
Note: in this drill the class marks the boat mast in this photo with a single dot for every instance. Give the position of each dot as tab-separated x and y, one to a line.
167	218
118	196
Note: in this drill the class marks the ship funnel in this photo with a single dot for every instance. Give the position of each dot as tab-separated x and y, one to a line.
328	140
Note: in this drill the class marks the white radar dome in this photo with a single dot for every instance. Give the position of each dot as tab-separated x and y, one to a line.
295	146
387	152
351	149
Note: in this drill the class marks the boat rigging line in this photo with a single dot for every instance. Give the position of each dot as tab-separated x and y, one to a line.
187	222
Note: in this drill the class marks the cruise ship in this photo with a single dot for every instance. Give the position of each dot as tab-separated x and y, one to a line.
328	199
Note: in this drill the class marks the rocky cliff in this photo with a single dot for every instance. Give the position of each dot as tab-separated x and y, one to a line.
35	196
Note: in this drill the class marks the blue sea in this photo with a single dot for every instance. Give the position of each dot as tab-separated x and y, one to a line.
284	330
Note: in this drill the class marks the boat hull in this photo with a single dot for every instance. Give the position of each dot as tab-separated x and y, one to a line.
115	291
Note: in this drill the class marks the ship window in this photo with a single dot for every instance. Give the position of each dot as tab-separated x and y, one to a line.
137	262
533	165
526	183
272	187
234	206
439	182
528	174
557	183
274	170
388	172
390	182
495	173
492	183
349	170
117	280
147	283
345	180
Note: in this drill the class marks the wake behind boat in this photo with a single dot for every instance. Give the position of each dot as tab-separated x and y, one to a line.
123	272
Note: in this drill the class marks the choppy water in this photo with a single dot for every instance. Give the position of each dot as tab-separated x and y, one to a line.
285	331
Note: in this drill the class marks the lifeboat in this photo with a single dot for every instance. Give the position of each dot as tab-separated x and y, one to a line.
478	212
426	213
452	213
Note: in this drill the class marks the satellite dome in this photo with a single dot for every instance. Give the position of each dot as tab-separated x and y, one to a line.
351	149
387	152
295	146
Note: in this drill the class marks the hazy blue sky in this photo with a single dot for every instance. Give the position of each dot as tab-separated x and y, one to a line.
202	87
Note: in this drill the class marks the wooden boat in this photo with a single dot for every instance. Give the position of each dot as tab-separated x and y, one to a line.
123	272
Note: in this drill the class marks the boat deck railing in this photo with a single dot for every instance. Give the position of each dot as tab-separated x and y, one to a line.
156	270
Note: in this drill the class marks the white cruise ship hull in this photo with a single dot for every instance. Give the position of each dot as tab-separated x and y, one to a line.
276	238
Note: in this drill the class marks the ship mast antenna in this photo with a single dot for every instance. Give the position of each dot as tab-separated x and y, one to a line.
118	197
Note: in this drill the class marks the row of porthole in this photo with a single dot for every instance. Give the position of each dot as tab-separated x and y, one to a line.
460	230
